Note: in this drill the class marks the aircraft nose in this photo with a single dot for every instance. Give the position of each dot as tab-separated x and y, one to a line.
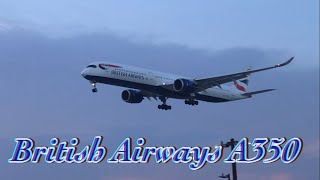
85	72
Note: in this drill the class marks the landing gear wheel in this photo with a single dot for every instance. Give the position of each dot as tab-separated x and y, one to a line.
94	90
191	102
164	106
186	102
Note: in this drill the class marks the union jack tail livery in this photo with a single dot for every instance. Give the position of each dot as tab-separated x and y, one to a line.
241	85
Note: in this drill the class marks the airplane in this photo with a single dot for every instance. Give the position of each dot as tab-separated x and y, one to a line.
144	83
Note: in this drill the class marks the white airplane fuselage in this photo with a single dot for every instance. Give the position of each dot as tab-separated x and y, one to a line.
154	82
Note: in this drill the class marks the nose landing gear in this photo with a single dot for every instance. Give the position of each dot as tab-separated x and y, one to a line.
94	87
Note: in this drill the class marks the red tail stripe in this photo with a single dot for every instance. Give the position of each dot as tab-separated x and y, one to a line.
241	88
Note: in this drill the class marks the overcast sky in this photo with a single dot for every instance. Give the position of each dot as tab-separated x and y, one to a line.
44	45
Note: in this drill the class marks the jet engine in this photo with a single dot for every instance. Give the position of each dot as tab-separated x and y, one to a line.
184	86
131	96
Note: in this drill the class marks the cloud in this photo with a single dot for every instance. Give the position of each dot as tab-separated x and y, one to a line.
312	149
273	176
124	178
60	61
44	95
4	27
280	176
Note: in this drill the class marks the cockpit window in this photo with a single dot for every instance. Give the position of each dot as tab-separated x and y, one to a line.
92	66
102	67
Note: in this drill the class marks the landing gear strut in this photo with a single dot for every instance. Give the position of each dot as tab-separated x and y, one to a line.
191	102
94	87
164	106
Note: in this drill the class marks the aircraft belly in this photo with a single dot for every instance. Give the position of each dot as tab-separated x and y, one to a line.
216	95
213	99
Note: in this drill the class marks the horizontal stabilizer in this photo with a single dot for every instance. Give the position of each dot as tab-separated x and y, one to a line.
257	92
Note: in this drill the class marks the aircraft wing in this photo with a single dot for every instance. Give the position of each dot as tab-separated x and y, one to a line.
149	95
203	84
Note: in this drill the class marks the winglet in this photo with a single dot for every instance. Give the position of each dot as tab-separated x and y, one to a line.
285	63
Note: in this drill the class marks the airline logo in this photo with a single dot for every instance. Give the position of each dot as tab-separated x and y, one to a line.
127	74
239	87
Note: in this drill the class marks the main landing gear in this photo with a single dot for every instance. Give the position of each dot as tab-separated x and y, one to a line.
164	106
94	87
191	102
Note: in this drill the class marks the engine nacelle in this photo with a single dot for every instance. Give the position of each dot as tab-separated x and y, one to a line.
131	96
184	86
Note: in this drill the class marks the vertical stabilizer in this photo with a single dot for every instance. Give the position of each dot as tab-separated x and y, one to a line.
242	84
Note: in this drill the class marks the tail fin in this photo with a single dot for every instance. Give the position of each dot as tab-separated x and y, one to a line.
242	84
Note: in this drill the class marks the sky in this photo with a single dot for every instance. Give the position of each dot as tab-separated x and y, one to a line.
44	45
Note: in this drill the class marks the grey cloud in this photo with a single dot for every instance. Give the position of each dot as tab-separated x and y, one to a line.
43	94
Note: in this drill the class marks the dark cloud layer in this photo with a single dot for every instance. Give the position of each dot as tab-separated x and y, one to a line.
43	95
